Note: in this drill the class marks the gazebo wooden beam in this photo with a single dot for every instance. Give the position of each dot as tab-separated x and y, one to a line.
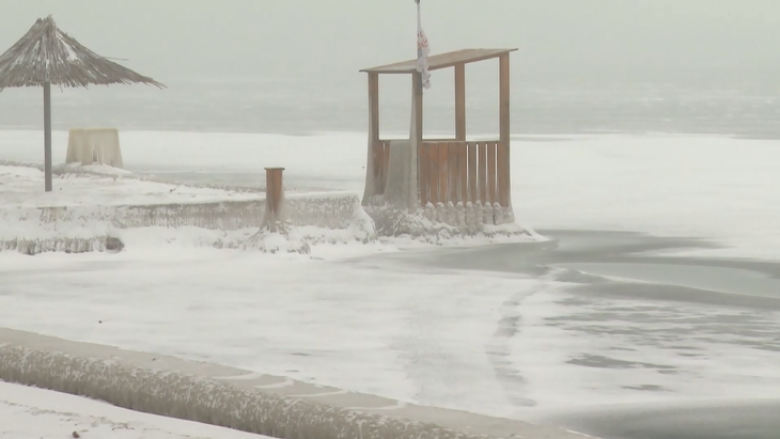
460	101
505	130
373	105
376	152
441	61
418	105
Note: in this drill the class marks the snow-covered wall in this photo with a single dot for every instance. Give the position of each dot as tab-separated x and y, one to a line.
332	211
79	229
234	398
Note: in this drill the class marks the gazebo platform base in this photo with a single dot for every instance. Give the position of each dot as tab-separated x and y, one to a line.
435	224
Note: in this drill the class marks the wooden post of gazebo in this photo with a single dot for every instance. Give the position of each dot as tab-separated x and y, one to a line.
505	130
460	102
454	170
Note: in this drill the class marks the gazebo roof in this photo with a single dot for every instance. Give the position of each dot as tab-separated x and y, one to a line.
441	61
47	54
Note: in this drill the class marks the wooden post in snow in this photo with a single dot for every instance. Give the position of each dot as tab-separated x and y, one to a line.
273	199
504	147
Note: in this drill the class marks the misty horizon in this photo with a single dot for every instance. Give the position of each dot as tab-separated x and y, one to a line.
596	65
643	40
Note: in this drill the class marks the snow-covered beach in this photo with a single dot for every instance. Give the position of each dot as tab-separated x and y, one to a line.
711	187
394	330
557	222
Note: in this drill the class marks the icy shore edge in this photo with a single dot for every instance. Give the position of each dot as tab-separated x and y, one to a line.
234	398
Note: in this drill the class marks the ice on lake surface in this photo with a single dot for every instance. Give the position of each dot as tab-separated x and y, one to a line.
717	279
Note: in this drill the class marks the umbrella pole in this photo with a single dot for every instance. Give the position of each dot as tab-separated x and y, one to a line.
47	133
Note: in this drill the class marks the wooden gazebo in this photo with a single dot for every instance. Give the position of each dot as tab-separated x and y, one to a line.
449	170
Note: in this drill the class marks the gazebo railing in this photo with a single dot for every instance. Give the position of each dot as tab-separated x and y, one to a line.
380	155
381	158
454	171
462	172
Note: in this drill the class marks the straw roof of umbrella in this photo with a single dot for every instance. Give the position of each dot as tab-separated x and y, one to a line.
47	54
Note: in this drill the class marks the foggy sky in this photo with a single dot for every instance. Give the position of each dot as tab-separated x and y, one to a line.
559	40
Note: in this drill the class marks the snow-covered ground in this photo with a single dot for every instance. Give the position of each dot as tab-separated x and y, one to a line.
393	331
681	185
22	187
412	333
34	413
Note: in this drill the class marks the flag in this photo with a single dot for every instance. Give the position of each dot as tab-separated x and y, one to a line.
422	52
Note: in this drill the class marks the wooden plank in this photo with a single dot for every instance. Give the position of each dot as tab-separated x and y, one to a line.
422	165
269	190
505	129
483	173
441	60
376	159
501	174
463	172
277	190
380	177
373	105
460	102
385	164
472	163
440	140
373	117
418	106
444	190
433	173
453	167
491	174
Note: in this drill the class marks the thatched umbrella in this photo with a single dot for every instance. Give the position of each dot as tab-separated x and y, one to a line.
45	55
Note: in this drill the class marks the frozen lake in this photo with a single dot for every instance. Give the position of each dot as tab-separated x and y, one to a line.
632	314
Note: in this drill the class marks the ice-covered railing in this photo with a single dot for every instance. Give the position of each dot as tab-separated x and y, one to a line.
454	171
455	188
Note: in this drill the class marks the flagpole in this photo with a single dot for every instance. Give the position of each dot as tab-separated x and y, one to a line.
418	94
419	74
